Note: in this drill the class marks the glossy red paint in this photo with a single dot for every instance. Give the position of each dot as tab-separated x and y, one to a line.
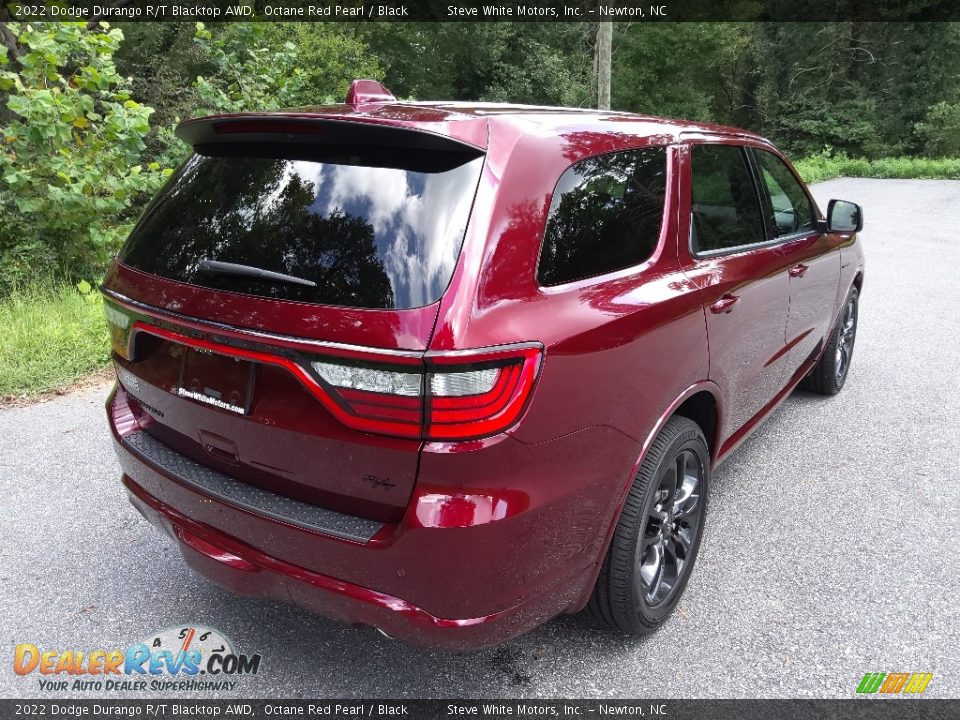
486	537
364	92
247	571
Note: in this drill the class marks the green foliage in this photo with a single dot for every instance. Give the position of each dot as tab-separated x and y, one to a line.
827	164
683	70
247	71
533	63
544	77
52	335
807	125
162	61
266	67
940	130
70	157
81	149
857	87
327	57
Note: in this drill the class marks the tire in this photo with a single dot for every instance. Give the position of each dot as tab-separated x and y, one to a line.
830	373
627	596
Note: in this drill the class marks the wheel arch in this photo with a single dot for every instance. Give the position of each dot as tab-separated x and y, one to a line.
703	408
696	403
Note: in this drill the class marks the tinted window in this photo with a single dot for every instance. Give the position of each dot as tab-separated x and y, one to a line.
726	211
605	215
792	211
370	229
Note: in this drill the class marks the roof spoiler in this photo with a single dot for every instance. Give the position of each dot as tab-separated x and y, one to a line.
325	126
292	128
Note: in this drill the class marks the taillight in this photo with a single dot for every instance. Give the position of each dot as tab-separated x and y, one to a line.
453	396
377	399
118	325
457	395
478	393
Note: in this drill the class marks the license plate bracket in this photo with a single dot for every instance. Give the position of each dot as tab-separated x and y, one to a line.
217	380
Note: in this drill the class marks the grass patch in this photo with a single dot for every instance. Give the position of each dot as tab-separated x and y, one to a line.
825	166
50	336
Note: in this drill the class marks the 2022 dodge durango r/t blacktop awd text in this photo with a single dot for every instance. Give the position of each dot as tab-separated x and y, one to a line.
451	370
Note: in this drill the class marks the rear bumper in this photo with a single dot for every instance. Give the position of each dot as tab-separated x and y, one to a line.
460	571
247	571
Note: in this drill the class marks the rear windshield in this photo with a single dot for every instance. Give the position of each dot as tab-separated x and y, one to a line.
365	228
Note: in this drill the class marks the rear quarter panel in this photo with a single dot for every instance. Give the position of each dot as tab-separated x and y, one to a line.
619	348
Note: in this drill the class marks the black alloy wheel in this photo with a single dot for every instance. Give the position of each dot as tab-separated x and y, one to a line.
655	542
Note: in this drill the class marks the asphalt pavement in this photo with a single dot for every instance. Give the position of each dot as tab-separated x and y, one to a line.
832	545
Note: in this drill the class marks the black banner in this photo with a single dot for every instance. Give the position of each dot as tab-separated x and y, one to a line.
854	709
484	11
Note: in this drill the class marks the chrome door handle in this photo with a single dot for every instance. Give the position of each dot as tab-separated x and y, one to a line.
798	270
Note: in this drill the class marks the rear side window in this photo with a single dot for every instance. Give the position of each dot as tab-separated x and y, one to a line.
605	215
725	206
363	228
791	209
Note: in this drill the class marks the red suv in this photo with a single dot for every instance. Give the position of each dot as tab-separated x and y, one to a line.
451	370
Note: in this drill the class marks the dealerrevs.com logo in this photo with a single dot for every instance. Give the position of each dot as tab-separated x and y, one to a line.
188	658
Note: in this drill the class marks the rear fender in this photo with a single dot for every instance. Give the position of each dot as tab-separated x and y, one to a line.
698	386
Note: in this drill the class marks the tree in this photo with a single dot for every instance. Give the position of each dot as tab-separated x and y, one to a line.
70	160
855	87
530	62
162	61
602	61
695	71
940	130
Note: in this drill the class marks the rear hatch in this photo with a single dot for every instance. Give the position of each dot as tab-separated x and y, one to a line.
270	311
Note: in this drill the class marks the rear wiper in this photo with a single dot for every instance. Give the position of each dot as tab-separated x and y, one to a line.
215	267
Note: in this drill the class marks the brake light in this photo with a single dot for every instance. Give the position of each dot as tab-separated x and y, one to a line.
456	396
479	393
238	127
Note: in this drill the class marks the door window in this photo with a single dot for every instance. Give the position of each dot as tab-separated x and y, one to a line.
790	208
725	206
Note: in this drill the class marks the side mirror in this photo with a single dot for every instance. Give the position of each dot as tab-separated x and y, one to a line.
844	217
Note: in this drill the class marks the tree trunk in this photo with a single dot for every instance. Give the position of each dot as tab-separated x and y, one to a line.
603	62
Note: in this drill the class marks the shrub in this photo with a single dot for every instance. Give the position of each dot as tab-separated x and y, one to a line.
826	165
70	152
261	66
804	125
940	130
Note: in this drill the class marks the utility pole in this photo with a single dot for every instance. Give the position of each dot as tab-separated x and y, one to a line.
602	62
